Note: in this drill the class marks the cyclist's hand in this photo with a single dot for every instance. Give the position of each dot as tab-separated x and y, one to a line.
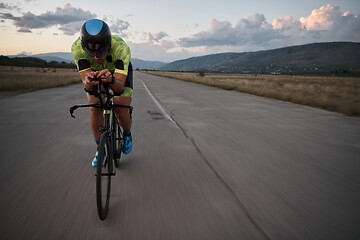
89	79
105	75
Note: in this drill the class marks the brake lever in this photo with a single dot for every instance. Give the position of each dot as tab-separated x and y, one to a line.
72	110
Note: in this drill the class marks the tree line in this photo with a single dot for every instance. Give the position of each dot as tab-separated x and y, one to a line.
33	62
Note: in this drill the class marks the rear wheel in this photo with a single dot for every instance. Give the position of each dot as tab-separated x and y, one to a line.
104	172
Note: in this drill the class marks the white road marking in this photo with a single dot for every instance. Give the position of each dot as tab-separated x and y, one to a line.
163	111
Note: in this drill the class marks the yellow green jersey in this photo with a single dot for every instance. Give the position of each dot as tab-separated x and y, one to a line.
117	60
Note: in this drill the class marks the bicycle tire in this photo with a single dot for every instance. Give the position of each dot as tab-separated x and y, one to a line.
117	140
104	172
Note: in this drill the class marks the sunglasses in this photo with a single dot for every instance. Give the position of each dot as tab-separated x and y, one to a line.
97	53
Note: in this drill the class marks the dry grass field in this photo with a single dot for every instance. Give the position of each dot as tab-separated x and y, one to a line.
338	94
15	80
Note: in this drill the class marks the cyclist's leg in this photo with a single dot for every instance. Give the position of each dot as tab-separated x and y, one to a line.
125	99
123	114
125	121
96	118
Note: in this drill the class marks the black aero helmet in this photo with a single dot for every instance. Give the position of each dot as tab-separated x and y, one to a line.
95	37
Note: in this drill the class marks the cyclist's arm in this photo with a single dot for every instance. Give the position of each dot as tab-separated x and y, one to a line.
117	84
83	66
123	56
86	77
86	74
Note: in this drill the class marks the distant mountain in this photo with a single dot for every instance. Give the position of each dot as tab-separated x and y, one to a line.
33	62
342	56
19	56
55	56
149	65
66	57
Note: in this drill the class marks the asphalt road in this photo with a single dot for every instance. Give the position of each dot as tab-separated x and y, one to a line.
207	164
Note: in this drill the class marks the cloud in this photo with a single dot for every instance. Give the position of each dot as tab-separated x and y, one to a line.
322	19
157	48
167	44
8	7
286	23
254	29
71	28
327	23
157	36
69	19
118	26
157	52
24	30
26	53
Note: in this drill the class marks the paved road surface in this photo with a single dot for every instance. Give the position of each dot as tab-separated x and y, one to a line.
207	164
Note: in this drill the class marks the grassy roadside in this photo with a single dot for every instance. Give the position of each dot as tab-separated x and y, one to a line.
17	80
337	94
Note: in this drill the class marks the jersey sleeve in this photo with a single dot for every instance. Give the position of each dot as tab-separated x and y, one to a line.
122	62
80	60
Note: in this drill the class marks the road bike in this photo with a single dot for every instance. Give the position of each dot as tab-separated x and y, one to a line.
110	146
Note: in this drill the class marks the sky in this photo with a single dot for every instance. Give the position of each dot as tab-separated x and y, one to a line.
166	30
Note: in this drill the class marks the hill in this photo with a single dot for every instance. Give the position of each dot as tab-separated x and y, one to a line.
149	65
55	56
33	62
321	57
66	57
48	57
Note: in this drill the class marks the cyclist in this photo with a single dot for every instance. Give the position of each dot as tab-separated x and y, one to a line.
99	54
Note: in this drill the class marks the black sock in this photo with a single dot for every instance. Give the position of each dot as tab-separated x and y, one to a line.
127	132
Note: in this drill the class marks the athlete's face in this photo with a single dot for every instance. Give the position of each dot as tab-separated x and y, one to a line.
100	59
98	55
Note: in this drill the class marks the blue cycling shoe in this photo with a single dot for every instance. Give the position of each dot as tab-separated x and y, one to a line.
95	160
127	144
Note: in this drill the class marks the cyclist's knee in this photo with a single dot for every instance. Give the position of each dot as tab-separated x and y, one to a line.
121	111
92	99
122	100
96	112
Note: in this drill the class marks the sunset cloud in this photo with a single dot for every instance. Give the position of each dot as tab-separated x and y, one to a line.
68	19
254	29
254	32
327	23
65	17
286	23
323	18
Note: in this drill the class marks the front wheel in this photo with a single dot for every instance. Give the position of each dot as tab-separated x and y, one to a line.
104	172
118	139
